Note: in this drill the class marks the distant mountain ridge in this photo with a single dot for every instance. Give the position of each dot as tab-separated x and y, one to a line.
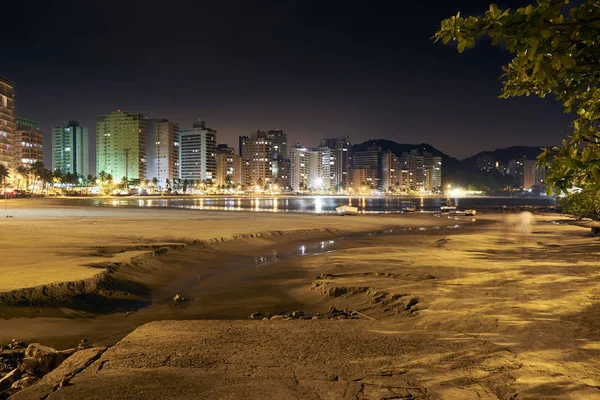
399	148
506	154
454	170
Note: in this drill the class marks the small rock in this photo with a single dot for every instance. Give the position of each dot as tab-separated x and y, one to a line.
161	251
83	344
10	378
47	357
297	314
178	299
276	317
17	344
22	383
29	363
411	303
256	315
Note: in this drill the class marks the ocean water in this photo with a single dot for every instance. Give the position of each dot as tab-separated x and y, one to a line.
320	204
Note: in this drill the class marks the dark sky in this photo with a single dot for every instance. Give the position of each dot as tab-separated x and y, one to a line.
363	69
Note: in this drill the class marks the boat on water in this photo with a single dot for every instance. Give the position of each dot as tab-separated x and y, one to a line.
347	210
450	206
408	206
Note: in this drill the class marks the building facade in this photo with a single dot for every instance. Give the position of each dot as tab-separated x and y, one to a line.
533	175
229	166
28	143
162	148
70	149
299	161
340	161
279	146
419	171
198	153
433	168
310	169
121	145
486	162
7	121
258	152
370	160
389	171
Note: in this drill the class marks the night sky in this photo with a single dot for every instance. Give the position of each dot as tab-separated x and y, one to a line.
313	68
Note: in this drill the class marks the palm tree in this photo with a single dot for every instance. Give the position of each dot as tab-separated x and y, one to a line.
124	183
58	176
23	171
4	175
37	169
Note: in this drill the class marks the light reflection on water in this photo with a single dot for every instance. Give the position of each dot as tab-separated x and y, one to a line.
329	246
316	204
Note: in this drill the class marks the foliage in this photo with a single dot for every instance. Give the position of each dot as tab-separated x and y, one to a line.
4	174
557	51
585	204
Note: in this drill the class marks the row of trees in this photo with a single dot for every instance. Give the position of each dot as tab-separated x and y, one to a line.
25	177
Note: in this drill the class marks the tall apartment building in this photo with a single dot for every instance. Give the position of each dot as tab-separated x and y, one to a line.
121	145
70	149
310	169
198	153
282	173
364	178
7	121
299	160
420	171
28	143
241	141
486	162
433	166
258	152
389	170
516	168
229	166
162	149
369	159
340	161
279	145
533	175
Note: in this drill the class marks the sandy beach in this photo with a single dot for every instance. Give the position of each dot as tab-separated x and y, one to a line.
518	313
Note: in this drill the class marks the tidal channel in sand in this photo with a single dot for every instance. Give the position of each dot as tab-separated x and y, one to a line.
225	281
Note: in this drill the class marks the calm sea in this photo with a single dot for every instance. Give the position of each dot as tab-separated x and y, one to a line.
319	204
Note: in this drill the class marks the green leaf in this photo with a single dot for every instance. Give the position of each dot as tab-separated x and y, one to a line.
546	33
461	46
567	61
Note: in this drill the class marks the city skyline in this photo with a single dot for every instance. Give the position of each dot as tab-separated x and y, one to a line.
344	71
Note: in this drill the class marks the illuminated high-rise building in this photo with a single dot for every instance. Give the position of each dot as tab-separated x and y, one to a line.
340	161
229	166
279	146
7	121
28	143
198	153
121	145
162	149
389	171
258	152
70	149
310	169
